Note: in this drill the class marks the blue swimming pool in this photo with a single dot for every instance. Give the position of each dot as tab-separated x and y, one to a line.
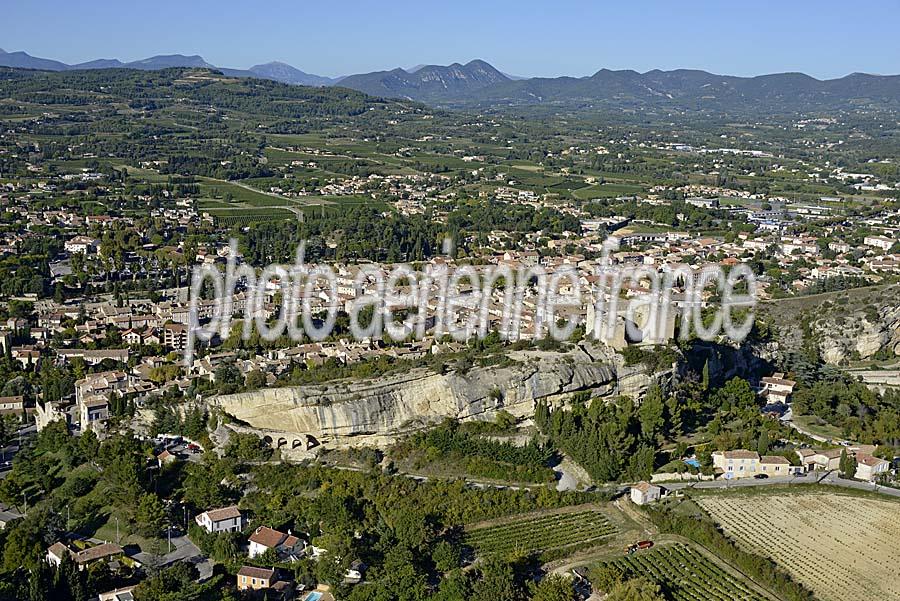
313	596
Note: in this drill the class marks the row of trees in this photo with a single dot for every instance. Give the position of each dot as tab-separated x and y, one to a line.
705	533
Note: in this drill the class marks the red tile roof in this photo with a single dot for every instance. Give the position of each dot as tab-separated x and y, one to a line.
267	537
98	552
741	454
261	573
869	460
644	486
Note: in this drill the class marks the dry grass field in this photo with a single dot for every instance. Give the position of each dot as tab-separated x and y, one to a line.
843	547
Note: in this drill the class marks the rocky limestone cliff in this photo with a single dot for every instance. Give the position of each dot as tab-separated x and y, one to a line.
860	337
844	326
338	412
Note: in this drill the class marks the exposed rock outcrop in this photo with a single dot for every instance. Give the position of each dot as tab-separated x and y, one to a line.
861	336
337	413
844	326
727	360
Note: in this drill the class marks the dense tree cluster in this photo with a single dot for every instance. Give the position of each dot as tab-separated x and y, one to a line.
484	457
486	217
408	532
861	413
362	231
611	440
70	483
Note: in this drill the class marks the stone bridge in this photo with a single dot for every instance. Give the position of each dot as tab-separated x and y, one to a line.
279	440
286	440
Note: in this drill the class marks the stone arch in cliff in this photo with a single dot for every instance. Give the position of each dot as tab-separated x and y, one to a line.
298	443
311	442
268	440
282	442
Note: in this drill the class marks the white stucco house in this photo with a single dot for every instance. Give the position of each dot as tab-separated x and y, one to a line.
869	467
644	492
225	519
287	546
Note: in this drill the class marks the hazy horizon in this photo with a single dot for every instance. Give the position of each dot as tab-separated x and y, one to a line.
525	39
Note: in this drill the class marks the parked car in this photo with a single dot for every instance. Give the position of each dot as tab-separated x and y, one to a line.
761	476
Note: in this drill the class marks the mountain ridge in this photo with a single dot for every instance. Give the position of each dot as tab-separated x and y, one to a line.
100	63
276	71
478	84
427	82
286	73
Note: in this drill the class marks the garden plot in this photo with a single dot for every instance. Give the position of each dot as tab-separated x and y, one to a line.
842	547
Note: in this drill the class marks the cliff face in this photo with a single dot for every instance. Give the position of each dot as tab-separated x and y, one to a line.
861	335
394	405
726	361
844	326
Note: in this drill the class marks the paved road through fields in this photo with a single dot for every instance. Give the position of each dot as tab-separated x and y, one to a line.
829	478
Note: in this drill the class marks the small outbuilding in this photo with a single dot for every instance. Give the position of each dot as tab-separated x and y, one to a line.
644	492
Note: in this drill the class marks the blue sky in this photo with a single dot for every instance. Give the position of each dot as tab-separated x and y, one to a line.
825	38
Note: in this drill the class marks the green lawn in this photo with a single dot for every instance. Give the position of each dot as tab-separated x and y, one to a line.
107	532
607	191
221	190
810	423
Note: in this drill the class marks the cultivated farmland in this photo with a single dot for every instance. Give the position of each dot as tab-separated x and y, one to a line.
543	533
685	574
242	217
840	546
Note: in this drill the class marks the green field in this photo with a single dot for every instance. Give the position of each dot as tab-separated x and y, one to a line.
544	533
222	190
240	218
348	201
685	574
204	204
607	191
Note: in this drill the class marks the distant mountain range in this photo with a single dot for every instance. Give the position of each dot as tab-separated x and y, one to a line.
21	60
287	74
428	82
479	84
274	70
698	90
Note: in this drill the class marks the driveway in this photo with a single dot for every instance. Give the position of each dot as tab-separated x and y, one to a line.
182	550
